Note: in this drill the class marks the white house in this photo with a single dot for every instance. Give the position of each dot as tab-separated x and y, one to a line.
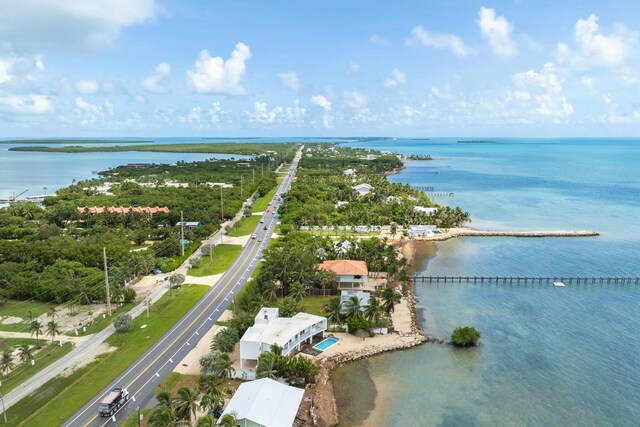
394	199
350	274
424	209
420	231
371	157
363	189
350	172
340	203
265	402
286	332
219	184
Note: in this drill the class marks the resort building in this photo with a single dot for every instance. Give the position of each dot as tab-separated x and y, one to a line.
340	203
218	184
349	274
420	231
189	224
123	209
424	209
363	189
350	172
265	402
287	332
243	164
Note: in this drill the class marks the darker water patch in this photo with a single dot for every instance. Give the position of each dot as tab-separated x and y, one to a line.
355	392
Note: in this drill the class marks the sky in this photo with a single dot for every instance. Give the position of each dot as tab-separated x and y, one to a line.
534	68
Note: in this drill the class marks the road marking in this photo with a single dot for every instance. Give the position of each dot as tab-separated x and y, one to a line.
247	248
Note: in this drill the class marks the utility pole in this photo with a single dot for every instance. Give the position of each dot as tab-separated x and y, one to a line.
241	189
106	280
139	419
254	175
221	204
262	170
147	303
182	232
4	412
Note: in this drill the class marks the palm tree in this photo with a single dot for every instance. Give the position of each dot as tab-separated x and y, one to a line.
223	367
35	328
53	312
333	308
374	310
229	420
52	330
164	414
270	291
25	352
267	366
209	402
352	307
393	229
187	402
6	362
206	421
297	291
390	298
210	385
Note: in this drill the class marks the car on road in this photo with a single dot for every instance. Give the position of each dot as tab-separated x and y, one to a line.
265	227
262	221
253	236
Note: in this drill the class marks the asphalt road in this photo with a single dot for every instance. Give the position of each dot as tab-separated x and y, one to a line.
142	377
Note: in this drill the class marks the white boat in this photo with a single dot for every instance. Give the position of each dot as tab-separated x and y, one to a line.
558	284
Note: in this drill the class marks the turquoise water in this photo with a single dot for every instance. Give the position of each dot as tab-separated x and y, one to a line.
549	356
326	343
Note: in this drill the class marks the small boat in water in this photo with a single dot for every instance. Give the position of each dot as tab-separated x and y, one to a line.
558	284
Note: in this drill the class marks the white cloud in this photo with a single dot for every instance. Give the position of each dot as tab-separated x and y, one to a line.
321	101
594	48
290	80
215	112
215	75
396	78
86	87
25	104
75	24
354	68
157	82
548	78
5	75
378	40
446	41
547	84
262	115
497	31
88	114
195	116
589	82
355	99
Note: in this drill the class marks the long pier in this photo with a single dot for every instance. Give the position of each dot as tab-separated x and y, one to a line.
533	280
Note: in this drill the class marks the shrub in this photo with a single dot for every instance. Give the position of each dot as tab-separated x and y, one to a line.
357	323
288	307
123	323
226	340
465	336
128	295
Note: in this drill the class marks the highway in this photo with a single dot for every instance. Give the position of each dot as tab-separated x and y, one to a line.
142	377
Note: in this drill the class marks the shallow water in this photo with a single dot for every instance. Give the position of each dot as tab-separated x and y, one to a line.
549	356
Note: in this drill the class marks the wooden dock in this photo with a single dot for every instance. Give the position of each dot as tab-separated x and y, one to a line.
529	280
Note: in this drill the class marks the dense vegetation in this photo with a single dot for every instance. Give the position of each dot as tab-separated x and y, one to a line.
322	182
465	336
55	253
220	148
75	141
290	271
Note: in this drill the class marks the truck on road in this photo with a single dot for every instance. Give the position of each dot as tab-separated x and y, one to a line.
113	401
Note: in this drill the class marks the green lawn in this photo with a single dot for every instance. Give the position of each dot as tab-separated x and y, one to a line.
45	357
313	304
65	401
132	420
21	309
221	259
260	205
100	323
245	226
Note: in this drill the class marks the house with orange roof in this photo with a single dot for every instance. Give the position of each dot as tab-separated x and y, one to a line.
350	274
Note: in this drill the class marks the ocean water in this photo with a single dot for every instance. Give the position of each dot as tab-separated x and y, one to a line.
549	356
34	171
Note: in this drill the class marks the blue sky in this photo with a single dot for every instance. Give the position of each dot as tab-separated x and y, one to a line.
329	68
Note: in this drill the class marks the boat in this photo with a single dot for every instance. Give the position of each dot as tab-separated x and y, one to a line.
558	284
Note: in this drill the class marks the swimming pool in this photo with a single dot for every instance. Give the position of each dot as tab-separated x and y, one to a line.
437	232
326	343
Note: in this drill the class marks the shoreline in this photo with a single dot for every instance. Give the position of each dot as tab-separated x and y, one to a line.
325	411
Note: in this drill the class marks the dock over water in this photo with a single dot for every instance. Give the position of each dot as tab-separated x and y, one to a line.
528	280
464	232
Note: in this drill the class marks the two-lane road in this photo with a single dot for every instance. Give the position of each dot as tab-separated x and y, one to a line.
152	367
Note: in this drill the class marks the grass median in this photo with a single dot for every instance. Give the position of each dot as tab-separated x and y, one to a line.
63	402
245	226
218	262
261	204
